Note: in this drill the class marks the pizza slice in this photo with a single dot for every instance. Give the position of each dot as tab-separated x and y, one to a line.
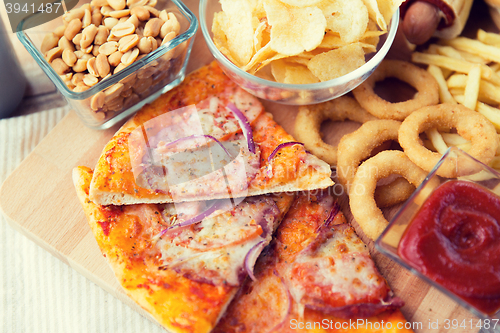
206	139
183	264
316	276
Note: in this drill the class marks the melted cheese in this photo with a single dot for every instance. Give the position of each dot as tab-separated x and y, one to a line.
214	250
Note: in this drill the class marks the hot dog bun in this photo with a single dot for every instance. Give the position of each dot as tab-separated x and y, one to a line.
460	10
494	6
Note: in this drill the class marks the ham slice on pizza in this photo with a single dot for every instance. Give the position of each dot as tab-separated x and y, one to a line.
206	139
315	276
183	269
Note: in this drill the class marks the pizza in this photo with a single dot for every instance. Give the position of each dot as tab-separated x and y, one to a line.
315	276
186	276
206	139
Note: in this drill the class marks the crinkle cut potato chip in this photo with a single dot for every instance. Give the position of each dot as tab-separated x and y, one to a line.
239	29
336	63
347	18
294	30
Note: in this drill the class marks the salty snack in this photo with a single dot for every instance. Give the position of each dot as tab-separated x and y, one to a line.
183	275
357	146
206	139
423	19
421	80
470	125
316	267
362	202
309	119
302	42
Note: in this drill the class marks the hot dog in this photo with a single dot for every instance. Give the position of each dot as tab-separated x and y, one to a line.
423	19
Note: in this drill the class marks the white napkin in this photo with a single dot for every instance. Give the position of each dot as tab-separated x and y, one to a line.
38	292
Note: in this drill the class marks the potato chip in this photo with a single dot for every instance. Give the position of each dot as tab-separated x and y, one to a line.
301	3
261	36
335	63
348	18
375	14
220	39
278	69
239	28
388	8
299	74
294	30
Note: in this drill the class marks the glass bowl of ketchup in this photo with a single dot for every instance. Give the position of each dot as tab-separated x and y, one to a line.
448	233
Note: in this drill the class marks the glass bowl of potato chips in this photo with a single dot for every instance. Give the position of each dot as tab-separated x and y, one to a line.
298	52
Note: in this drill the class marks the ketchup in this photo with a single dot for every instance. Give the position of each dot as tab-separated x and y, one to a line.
455	240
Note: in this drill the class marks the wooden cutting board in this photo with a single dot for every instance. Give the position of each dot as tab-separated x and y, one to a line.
39	201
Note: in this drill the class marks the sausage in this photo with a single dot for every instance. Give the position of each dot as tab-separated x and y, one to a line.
420	22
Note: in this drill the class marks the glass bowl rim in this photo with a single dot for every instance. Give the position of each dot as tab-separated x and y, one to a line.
115	78
366	68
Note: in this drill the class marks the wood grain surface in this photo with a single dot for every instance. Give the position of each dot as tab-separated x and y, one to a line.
39	201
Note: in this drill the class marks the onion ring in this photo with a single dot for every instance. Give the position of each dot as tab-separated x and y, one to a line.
469	124
309	119
361	199
355	147
421	80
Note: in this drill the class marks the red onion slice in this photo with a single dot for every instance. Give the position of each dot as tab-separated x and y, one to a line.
252	257
245	126
198	136
217	205
281	146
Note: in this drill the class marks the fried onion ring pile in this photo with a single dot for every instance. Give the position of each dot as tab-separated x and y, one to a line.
309	119
355	147
361	198
425	84
469	124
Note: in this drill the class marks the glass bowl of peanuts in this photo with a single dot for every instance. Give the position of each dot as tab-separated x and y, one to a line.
108	58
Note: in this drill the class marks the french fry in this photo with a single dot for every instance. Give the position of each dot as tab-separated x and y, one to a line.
476	47
437	140
444	93
488	92
471	92
461	66
453	139
473	58
488	37
491	113
449	51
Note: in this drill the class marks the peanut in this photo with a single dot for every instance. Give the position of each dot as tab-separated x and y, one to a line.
96	16
105	10
87	18
97	101
59	66
116	104
54	53
95	51
91	67
127	93
123	29
77	78
108	48
120	13
99	3
152	28
69	58
81	88
141	13
152	3
146	72
74	27
88	50
49	42
76	40
142	85
102	35
131	100
115	58
59	31
76	13
153	11
80	66
65	44
172	24
134	20
119	67
168	37
129	57
102	65
134	3
113	92
90	80
128	42
110	22
88	35
117	4
66	78
147	44
79	54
